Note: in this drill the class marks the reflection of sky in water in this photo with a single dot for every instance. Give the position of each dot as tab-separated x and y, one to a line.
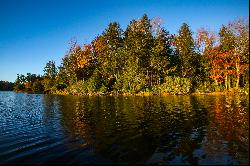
129	130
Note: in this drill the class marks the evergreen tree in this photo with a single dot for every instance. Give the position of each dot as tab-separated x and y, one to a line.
50	73
137	45
107	48
226	39
184	44
160	56
50	70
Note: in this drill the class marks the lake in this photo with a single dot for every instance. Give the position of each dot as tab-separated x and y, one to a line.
50	129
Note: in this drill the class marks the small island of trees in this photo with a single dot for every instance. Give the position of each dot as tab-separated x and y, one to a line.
147	59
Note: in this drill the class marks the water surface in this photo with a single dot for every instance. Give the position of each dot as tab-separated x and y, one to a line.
41	129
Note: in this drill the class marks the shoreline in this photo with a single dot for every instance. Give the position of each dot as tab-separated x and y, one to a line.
229	92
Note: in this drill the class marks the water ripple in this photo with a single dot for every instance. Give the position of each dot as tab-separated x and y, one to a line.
48	129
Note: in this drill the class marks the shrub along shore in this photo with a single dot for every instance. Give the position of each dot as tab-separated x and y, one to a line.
145	59
232	91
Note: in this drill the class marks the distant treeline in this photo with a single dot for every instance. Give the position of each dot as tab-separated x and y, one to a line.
146	58
6	86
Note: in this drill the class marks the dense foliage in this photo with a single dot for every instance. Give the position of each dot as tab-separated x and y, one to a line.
6	86
29	83
146	58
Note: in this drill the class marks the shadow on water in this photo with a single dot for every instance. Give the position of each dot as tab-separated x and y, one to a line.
125	130
160	130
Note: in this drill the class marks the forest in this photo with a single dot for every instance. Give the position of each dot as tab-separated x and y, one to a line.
6	86
146	59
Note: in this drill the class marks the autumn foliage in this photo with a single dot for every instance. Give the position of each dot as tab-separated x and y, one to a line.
146	58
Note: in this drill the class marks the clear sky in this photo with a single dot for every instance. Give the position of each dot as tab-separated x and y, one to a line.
32	32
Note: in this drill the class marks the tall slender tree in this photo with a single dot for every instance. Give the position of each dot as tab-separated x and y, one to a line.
108	48
240	31
50	70
184	44
160	52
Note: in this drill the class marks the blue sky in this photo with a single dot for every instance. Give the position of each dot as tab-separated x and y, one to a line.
32	32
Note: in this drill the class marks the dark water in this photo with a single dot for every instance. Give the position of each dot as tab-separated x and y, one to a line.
41	129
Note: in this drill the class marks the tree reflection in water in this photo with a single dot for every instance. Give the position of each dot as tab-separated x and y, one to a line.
159	130
227	135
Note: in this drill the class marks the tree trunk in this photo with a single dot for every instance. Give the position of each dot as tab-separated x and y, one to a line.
229	82
238	75
226	82
237	82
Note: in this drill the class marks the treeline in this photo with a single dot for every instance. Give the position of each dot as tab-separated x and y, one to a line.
146	58
6	86
31	83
